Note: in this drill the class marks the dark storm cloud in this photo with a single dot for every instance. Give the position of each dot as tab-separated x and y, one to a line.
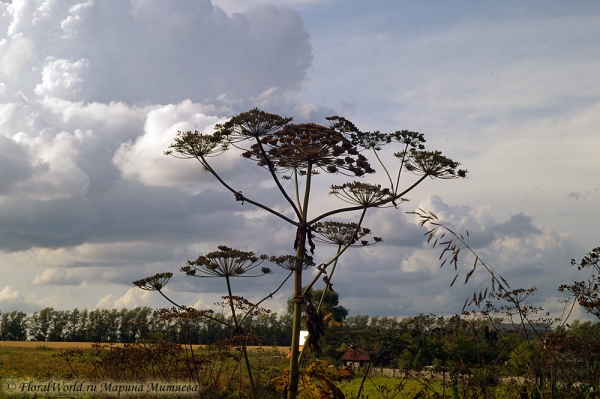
15	165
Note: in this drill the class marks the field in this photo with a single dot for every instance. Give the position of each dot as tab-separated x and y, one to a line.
39	361
36	360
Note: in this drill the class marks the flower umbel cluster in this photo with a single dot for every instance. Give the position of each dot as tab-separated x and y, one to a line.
432	164
338	233
291	262
226	262
297	146
358	193
154	283
251	125
197	145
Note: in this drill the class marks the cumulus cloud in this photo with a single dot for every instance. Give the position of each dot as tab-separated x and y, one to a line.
15	164
62	78
132	298
16	55
12	299
523	253
146	51
100	92
140	160
8	294
92	93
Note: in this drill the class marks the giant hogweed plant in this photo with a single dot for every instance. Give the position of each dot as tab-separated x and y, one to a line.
293	155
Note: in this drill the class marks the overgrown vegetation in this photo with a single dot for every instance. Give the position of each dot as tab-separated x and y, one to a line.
502	348
293	155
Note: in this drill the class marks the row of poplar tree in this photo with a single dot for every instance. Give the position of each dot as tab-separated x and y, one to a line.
128	325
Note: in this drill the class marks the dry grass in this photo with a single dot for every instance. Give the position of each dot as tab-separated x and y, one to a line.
51	345
88	345
38	362
35	359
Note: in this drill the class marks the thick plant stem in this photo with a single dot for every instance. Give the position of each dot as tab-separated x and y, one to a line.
292	392
322	298
362	382
238	330
296	327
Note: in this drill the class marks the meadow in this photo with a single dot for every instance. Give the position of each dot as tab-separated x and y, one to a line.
42	361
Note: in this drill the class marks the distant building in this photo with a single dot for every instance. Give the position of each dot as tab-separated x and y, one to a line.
355	358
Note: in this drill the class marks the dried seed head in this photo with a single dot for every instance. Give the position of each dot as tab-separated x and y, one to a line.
294	147
154	283
431	163
226	262
338	233
251	125
411	139
291	262
197	145
358	193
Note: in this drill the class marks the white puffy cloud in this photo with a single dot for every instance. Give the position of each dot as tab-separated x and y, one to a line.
8	294
233	6
11	299
62	78
17	54
150	51
55	158
143	160
132	298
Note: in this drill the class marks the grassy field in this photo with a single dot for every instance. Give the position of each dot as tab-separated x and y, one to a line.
35	359
39	361
382	387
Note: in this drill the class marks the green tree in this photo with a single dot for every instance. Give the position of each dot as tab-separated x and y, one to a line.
13	326
40	324
329	301
585	331
293	155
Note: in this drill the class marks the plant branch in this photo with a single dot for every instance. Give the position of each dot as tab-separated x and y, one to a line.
335	258
375	205
385	169
267	297
238	194
276	179
400	168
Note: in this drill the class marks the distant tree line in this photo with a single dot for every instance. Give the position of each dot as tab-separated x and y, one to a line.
411	341
99	325
129	325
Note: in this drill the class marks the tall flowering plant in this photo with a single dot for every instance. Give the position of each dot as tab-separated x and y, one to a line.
300	153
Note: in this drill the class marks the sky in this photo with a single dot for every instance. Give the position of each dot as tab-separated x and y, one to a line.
92	93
